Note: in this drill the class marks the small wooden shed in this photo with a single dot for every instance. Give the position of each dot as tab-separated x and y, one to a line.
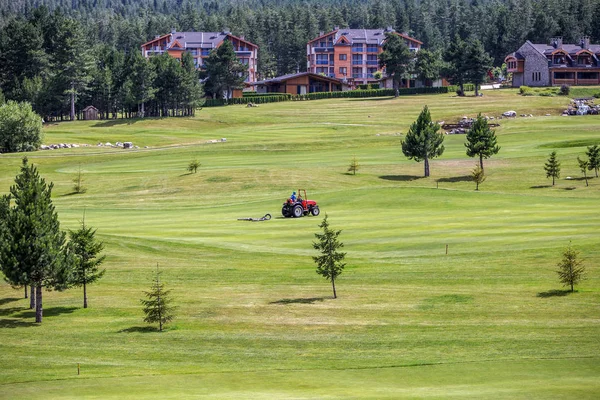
90	113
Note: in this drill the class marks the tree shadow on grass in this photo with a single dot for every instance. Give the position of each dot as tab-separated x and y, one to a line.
115	122
400	178
553	293
454	179
9	300
15	323
11	310
49	312
540	187
302	300
570	188
139	329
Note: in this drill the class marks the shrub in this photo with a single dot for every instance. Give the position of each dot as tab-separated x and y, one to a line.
564	90
525	91
20	127
597	95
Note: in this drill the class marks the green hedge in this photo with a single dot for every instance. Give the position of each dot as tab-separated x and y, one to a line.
262	98
254	94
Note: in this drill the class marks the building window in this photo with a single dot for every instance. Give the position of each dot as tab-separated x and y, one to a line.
343	57
357	47
343	71
357	59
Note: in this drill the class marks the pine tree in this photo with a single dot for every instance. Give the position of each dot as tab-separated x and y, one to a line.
157	307
353	166
570	269
395	58
224	70
35	253
85	249
423	141
78	182
329	263
456	65
552	167
478	176
142	77
593	153
477	63
481	140
428	65
584	166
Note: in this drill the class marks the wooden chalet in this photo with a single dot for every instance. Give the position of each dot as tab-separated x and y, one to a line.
300	83
200	44
555	64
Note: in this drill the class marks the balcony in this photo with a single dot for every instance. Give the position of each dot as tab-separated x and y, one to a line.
205	53
323	49
324	62
362	76
358	62
372	62
372	49
243	52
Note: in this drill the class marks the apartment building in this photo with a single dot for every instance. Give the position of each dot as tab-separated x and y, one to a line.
555	63
351	54
200	44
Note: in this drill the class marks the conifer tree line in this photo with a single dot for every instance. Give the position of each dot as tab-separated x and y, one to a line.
62	55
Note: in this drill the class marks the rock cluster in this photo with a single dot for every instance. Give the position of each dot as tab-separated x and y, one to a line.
61	146
122	145
582	107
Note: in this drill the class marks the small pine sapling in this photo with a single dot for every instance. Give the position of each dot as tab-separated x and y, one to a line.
193	166
78	182
570	269
478	176
552	167
329	263
157	307
353	166
583	166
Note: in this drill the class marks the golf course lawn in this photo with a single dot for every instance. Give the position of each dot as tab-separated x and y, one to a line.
448	292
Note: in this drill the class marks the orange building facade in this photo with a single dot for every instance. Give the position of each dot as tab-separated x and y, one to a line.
200	44
351	54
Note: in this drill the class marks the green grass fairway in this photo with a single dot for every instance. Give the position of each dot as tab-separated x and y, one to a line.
487	320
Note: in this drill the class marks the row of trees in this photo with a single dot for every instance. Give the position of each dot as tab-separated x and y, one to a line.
463	61
51	63
282	27
552	166
34	252
423	141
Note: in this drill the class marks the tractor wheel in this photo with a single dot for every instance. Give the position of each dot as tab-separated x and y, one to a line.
298	211
285	212
315	211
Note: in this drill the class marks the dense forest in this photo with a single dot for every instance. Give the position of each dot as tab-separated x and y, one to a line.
113	29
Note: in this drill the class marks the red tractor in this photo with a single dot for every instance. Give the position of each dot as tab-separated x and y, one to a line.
300	206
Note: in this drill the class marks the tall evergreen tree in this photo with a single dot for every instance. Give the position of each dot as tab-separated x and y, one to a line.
477	63
481	140
428	66
224	70
142	76
329	263
456	65
85	251
423	142
395	58
72	59
552	167
35	254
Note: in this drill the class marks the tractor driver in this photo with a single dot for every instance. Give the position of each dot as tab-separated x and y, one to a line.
293	197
